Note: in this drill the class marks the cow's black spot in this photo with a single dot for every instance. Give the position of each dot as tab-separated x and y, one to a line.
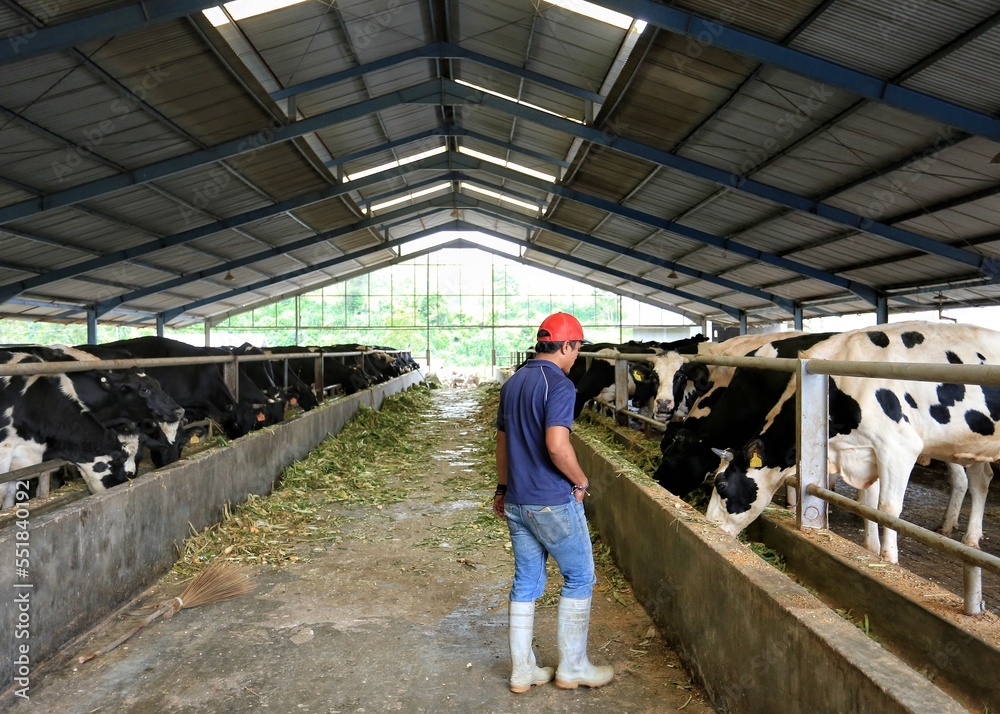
953	358
845	412
950	394
940	413
878	338
982	360
911	339
991	395
101	466
910	400
889	402
737	488
979	422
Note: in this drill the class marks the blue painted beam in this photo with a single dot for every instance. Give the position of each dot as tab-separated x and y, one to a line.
472	164
323	265
507	146
442	51
27	42
387	146
451	226
863	291
707	32
472	245
253	142
527	221
413	212
12	289
720	176
598	268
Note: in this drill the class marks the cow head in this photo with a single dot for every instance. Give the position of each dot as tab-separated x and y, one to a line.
666	366
139	396
745	482
686	463
104	471
690	382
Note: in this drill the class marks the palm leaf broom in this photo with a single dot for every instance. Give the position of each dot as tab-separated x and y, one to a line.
216	583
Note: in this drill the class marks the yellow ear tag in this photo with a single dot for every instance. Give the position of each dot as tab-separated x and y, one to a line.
636	375
195	439
755	461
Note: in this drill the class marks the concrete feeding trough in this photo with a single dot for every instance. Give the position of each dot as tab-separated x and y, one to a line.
756	640
90	557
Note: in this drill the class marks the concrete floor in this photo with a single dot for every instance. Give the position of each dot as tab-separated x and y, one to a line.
387	619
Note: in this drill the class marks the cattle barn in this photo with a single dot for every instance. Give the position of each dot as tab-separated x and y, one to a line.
759	170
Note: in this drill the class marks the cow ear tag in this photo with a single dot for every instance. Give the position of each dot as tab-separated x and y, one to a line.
755	461
636	375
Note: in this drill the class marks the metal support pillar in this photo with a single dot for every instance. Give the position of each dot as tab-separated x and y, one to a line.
811	400
621	391
91	326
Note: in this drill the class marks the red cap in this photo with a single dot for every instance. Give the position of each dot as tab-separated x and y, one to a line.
560	327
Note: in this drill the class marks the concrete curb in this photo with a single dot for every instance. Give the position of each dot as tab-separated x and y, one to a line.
89	558
756	641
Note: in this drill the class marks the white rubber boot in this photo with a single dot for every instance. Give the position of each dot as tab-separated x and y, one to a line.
525	672
574	667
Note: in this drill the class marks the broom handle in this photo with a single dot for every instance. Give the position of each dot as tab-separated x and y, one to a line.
162	610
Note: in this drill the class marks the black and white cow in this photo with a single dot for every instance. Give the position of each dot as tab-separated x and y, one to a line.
733	409
295	391
878	428
42	418
199	388
651	385
121	400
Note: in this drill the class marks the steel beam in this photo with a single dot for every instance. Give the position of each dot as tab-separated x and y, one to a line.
25	43
705	32
411	212
12	289
718	176
439	51
246	144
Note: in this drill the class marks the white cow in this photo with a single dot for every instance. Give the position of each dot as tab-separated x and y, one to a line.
878	428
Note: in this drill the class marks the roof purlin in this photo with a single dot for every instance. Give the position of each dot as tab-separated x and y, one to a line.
804	64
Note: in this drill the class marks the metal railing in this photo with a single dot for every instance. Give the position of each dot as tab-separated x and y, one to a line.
812	439
230	364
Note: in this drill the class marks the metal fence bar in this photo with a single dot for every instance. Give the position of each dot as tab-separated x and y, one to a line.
961	551
31	471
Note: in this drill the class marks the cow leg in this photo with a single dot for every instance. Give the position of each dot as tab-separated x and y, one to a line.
9	490
791	496
979	476
893	476
959	485
869	497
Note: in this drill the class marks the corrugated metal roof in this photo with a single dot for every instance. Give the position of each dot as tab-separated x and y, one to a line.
120	144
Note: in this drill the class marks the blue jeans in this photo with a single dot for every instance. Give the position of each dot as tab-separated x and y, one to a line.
536	532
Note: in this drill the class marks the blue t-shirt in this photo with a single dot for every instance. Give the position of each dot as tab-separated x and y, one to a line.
537	396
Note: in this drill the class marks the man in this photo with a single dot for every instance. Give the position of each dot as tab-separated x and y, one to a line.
540	490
